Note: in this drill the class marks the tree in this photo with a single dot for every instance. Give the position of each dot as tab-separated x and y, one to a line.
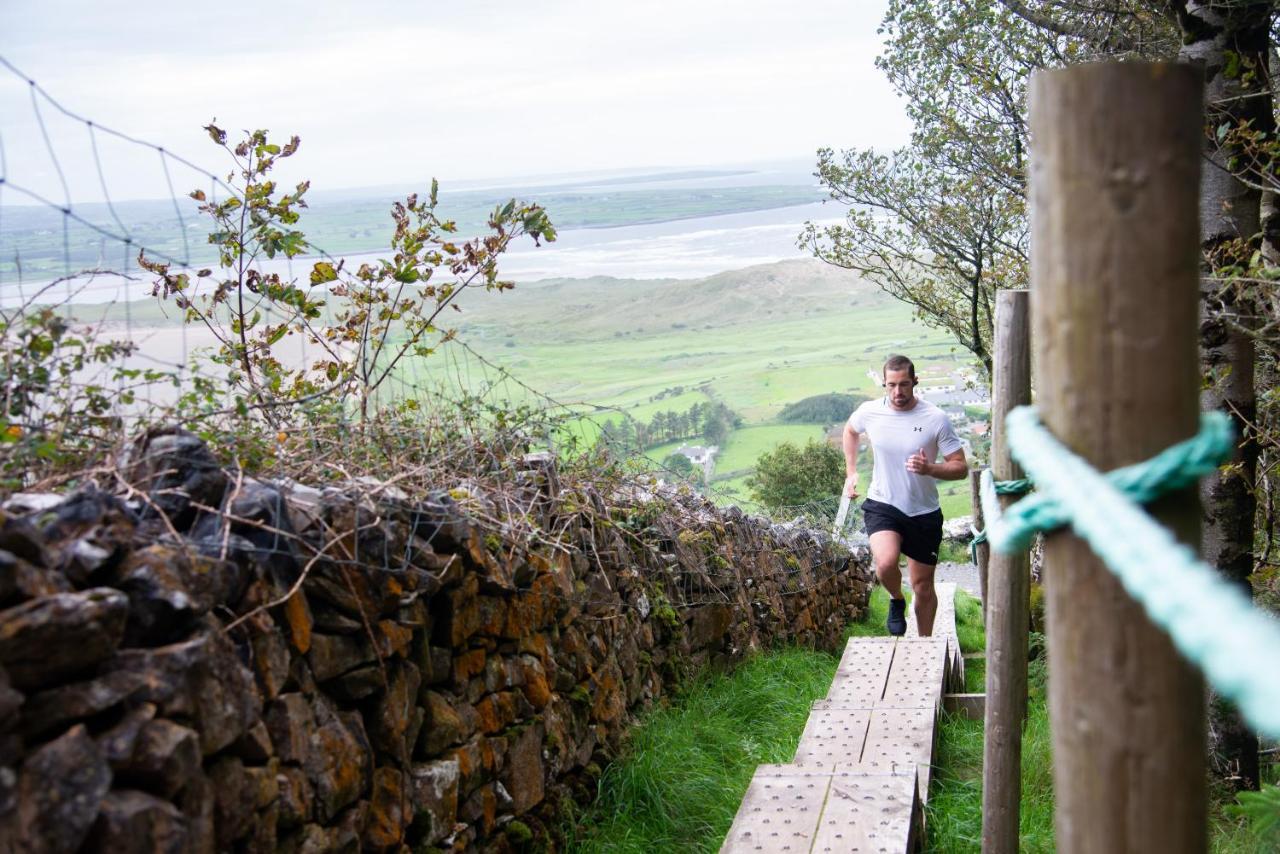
716	426
382	313
1232	43
821	409
678	465
790	475
941	223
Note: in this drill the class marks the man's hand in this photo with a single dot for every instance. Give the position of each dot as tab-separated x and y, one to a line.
917	463
851	486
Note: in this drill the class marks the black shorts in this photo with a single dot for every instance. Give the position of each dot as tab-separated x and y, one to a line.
921	535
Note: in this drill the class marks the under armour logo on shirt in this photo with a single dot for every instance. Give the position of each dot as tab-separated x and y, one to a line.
918	429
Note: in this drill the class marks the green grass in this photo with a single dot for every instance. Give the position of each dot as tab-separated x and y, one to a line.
954	812
745	445
686	768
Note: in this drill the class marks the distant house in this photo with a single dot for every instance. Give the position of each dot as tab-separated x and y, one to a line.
697	454
700	456
979	428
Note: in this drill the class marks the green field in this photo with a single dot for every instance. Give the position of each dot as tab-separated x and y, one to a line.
601	349
754	339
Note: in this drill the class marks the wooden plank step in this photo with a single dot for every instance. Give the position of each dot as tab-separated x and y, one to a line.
916	675
893	741
863	671
801	808
944	626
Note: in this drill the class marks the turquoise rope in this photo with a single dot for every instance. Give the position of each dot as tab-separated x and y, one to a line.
1212	623
1176	467
1020	486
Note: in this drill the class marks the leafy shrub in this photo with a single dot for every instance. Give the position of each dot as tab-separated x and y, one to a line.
791	475
821	409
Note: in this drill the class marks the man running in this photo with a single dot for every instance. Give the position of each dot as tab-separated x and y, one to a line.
902	514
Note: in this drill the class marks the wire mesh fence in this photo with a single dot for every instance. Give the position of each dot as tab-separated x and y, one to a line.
152	347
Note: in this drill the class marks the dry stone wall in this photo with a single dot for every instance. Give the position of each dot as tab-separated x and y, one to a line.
216	663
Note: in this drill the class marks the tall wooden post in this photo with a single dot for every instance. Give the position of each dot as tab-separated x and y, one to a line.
981	552
1114	272
1008	590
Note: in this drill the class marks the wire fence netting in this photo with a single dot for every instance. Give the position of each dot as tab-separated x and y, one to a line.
136	331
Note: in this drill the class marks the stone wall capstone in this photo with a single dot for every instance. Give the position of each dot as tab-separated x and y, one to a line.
218	663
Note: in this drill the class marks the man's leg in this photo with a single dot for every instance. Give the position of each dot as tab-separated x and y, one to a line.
886	547
926	597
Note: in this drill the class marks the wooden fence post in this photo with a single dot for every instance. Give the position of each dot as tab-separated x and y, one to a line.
1008	590
981	552
1115	172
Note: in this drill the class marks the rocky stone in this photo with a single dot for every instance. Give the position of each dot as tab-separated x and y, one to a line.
255	745
164	757
534	684
131	822
201	680
263	837
264	783
393	714
497	711
333	655
59	790
197	804
708	624
234	800
117	742
435	664
338	761
309	839
290	723
608	700
295	796
480	808
54	638
393	638
21	580
21	539
11	701
348	826
162	609
443	726
389	810
270	655
367	593
174	468
357	684
299	620
468	664
523	774
55	708
434	786
331	621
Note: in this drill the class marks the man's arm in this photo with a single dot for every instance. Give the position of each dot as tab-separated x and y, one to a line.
850	444
953	467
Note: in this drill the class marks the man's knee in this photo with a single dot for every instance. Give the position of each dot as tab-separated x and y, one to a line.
922	586
886	565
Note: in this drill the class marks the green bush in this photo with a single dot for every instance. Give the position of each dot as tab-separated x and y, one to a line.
821	409
790	475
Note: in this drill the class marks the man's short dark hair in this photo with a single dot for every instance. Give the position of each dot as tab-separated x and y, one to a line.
897	363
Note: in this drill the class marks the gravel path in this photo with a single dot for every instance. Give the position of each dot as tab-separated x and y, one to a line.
963	574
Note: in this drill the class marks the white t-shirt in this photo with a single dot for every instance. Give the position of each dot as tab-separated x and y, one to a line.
896	435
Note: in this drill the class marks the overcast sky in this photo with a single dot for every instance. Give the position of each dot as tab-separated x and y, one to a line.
385	92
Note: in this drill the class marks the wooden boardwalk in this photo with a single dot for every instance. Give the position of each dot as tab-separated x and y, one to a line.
860	775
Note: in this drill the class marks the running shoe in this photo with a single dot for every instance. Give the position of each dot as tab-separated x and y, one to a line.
897	622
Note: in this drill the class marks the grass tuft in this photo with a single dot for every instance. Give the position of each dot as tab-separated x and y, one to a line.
682	777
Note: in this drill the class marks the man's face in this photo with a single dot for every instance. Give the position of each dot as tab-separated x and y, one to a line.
900	388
